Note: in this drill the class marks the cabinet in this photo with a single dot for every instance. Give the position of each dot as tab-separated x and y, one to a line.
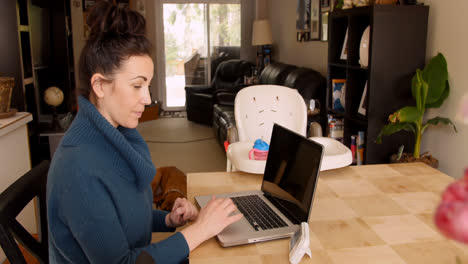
14	162
397	47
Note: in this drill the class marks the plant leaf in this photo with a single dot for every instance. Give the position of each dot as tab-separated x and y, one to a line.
435	74
392	128
436	120
408	114
416	89
442	98
424	93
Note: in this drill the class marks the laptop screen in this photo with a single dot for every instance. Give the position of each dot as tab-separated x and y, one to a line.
291	173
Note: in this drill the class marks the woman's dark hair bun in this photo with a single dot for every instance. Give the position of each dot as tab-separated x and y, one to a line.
116	33
106	18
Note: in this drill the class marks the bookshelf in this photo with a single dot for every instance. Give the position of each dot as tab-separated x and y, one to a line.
35	49
397	47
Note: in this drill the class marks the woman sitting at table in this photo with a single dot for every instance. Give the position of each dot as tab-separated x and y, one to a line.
99	198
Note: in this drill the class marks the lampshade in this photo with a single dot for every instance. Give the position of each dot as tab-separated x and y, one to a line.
261	34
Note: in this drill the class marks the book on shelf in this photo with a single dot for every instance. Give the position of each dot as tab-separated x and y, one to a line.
338	96
363	104
336	127
344	49
353	148
360	141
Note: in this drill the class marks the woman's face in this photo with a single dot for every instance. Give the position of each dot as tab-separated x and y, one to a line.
123	100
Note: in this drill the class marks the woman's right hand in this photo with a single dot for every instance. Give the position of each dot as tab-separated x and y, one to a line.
215	216
211	220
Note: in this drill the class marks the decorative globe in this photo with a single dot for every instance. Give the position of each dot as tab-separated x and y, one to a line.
53	96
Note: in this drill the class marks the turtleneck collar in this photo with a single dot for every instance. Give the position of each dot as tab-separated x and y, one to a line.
89	126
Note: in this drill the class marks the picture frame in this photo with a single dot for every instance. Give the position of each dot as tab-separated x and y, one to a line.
327	5
315	16
344	49
308	20
303	36
303	15
338	94
363	104
324	26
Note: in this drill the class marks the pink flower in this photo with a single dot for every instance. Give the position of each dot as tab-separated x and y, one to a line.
451	216
462	114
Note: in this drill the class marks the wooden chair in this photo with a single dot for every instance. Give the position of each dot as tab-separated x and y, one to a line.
12	201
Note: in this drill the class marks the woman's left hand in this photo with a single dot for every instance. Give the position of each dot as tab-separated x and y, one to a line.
182	212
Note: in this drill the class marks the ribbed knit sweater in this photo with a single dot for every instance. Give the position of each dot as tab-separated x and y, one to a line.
99	197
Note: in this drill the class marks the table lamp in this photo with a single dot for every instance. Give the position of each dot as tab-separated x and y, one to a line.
261	36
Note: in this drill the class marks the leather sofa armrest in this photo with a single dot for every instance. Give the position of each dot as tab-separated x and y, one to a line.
199	99
232	135
225	98
189	89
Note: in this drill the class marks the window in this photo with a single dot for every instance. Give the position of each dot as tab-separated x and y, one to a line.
187	53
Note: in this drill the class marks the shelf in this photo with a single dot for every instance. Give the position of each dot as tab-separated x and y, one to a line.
357	67
336	113
29	80
346	66
341	65
40	67
23	28
358	118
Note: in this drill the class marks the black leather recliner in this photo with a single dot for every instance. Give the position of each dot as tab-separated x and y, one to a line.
229	78
223	111
275	73
309	83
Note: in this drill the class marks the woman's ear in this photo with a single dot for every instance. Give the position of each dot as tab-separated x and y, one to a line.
97	84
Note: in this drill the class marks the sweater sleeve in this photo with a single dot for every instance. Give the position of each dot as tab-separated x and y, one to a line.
95	226
159	221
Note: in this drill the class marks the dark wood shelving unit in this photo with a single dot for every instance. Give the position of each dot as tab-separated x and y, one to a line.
36	49
397	47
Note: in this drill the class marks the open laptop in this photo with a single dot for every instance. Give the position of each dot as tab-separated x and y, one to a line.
285	199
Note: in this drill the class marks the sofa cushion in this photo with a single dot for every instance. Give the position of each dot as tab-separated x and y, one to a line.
309	83
275	73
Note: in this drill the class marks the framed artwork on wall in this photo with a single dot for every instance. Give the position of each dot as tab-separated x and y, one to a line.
344	49
315	20
324	26
308	20
303	15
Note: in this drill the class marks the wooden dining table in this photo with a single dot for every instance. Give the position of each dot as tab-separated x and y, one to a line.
360	214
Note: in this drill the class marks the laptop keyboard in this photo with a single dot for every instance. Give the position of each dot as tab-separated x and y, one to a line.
257	212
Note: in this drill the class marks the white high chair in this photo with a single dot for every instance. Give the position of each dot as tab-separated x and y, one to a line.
256	108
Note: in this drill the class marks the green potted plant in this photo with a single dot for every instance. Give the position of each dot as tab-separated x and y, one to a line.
429	88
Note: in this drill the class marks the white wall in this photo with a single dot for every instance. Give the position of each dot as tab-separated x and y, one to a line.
447	33
286	49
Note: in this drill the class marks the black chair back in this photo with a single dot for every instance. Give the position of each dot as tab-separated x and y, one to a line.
275	73
230	74
12	201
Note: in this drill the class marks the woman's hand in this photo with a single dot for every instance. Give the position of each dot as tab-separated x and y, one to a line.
211	220
182	212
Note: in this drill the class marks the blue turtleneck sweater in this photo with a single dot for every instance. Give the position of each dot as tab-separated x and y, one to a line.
99	197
